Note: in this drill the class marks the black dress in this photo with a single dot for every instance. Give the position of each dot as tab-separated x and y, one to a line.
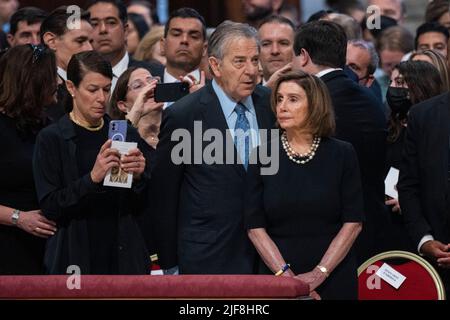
101	219
396	235
303	207
20	252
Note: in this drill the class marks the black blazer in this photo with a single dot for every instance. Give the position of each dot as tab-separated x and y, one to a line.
360	120
199	215
423	181
59	189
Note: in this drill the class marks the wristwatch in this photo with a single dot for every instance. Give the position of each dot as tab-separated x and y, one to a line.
15	217
323	270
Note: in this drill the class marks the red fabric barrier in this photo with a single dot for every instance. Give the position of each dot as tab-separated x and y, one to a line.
153	287
419	284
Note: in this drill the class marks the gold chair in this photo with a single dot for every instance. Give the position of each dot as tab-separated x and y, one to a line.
422	280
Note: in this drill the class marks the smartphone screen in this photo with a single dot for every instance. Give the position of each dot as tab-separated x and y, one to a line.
117	130
169	92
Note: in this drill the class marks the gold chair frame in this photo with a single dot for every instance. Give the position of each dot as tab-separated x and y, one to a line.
413	257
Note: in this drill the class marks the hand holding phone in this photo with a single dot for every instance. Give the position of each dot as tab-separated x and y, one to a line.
194	85
107	159
170	92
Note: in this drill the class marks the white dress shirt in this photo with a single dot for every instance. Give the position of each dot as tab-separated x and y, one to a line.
326	71
118	69
228	104
62	73
168	78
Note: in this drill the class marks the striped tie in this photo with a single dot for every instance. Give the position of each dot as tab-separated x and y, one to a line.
242	134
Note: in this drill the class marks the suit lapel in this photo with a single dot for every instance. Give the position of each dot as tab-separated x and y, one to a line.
445	138
437	149
262	114
214	118
212	112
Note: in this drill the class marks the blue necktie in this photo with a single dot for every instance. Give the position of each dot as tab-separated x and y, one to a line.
242	134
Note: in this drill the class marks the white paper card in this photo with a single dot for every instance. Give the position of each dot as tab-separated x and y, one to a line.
157	272
116	177
391	276
390	184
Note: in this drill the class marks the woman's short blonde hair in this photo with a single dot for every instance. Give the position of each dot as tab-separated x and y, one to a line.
320	118
146	47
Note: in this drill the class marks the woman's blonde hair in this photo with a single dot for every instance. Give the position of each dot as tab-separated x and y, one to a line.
146	47
439	62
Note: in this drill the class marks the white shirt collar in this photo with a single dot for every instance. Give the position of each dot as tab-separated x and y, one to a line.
228	104
168	78
62	73
121	66
118	69
326	71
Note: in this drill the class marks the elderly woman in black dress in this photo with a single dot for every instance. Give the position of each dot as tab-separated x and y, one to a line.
97	228
27	85
304	219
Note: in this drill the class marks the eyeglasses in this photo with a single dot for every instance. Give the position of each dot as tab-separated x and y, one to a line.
139	84
38	51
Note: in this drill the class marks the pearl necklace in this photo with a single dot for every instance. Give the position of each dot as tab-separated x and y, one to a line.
300	158
97	128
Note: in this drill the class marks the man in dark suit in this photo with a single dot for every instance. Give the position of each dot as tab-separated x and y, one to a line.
110	22
199	215
64	42
424	181
184	46
320	48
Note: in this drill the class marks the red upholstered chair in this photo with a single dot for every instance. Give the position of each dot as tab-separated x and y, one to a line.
422	281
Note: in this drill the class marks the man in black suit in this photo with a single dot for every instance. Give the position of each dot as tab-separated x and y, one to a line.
199	215
110	22
64	42
424	181
320	48
183	45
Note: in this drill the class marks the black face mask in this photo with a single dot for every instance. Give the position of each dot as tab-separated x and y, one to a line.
398	100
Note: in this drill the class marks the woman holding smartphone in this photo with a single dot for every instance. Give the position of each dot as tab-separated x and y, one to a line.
97	229
133	99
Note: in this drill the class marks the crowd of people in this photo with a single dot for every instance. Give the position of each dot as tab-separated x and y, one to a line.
344	104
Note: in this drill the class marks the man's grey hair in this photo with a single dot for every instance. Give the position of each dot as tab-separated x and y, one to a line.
227	31
351	27
374	58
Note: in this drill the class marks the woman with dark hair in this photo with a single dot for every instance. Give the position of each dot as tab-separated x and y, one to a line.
408	87
97	229
133	99
304	219
27	84
137	29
